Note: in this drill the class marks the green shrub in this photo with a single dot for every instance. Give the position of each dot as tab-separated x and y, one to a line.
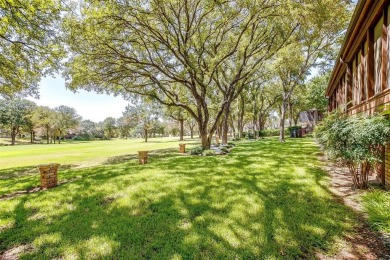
354	141
231	144
224	149
291	129
196	151
208	152
247	135
78	138
272	132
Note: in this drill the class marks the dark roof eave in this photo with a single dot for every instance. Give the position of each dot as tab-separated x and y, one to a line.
352	24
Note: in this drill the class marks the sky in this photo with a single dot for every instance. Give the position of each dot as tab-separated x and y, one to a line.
89	105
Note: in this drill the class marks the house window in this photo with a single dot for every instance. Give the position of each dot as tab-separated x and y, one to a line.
365	71
359	85
354	83
348	87
378	56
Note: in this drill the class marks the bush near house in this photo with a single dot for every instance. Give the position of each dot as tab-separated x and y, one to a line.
356	142
271	132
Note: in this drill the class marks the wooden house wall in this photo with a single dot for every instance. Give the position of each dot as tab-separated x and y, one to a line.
363	86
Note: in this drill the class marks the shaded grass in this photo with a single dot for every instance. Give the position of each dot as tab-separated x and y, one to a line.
377	206
27	178
264	200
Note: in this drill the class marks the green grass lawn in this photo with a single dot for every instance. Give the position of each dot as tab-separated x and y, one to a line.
377	206
82	154
265	200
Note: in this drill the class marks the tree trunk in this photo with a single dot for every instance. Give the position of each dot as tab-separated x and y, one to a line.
31	136
255	132
240	126
206	142
261	122
282	118
59	137
290	109
233	129
47	134
204	137
181	129
192	132
146	135
225	127
14	132
296	120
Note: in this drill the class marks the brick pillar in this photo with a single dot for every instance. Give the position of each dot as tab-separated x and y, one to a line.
143	157
48	175
182	148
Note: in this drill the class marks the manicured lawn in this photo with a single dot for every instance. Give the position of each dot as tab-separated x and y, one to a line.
265	200
89	153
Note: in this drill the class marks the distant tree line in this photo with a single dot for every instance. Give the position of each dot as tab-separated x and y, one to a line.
24	118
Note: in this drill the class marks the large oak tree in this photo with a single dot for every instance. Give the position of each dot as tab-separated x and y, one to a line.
208	50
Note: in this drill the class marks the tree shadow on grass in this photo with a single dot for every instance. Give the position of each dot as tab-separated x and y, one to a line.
131	158
23	179
184	207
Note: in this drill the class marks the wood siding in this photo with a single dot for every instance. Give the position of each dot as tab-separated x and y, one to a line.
361	78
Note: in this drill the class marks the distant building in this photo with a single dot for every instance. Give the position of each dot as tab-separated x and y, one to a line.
361	77
309	119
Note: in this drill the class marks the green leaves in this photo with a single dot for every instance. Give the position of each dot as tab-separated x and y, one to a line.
354	139
29	44
15	113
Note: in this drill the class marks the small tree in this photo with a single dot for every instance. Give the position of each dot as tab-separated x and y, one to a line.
191	123
178	114
66	118
14	114
356	142
109	127
44	117
88	129
144	114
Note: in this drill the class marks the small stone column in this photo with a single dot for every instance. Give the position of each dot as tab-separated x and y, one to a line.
143	157
48	175
182	148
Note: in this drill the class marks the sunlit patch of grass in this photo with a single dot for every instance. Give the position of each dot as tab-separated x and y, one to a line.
377	206
83	154
263	200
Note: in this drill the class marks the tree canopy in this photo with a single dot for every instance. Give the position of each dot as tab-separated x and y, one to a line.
208	50
29	44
